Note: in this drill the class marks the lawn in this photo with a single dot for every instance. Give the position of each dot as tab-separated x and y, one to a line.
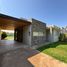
9	38
57	50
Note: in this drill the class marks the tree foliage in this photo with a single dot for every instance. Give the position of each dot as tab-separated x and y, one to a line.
3	35
63	37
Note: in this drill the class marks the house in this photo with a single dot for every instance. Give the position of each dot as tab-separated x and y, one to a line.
30	32
53	33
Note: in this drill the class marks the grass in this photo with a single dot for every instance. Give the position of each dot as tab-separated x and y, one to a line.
9	38
57	50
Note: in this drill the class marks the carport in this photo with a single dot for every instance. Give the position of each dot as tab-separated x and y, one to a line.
21	28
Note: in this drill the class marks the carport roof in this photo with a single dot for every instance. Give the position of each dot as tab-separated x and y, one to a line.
8	22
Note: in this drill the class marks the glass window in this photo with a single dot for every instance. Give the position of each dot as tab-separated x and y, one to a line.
38	34
35	33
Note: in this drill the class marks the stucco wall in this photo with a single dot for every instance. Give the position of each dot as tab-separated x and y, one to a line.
56	34
27	35
53	34
38	32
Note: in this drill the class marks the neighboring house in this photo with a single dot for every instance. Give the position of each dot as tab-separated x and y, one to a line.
53	33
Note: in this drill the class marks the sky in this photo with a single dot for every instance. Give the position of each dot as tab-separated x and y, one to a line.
51	12
9	31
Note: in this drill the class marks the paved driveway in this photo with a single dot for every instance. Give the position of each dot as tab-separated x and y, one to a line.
7	45
26	57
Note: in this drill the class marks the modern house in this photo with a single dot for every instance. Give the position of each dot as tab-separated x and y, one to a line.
30	32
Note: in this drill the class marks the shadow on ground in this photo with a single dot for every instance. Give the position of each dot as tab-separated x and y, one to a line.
14	54
17	58
52	45
1	58
20	57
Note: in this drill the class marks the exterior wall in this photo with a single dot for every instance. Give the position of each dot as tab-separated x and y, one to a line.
56	34
27	35
48	35
38	32
23	35
53	34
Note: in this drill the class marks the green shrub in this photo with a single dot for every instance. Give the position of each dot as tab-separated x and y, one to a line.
63	37
3	35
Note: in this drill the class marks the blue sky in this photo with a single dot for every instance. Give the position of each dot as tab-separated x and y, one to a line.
49	11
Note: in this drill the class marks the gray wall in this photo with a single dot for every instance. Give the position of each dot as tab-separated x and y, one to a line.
27	35
38	32
23	34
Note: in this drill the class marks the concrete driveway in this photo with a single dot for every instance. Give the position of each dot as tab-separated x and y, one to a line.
26	57
7	45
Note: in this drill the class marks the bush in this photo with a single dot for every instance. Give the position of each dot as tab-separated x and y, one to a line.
3	35
63	37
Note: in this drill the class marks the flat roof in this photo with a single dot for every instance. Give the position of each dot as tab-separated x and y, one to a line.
9	22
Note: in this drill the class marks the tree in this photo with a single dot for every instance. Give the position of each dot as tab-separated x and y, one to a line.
3	35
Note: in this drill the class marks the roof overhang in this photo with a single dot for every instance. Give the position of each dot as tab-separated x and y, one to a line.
10	23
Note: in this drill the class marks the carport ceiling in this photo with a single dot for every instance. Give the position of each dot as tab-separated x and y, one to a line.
10	23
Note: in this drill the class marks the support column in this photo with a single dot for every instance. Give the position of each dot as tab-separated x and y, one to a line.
51	34
0	34
15	34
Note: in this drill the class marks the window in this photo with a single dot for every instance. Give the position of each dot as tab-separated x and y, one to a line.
35	33
38	34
